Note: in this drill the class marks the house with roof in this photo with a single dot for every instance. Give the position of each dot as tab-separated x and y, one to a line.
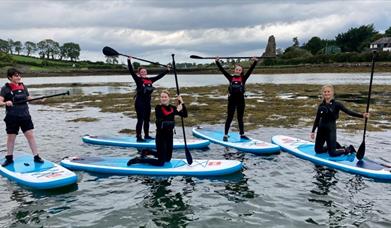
383	44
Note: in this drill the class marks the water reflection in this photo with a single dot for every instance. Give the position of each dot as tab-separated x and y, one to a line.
167	206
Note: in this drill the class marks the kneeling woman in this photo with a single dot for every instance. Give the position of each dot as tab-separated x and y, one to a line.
165	123
325	121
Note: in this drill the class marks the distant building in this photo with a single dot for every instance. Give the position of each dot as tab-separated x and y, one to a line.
383	44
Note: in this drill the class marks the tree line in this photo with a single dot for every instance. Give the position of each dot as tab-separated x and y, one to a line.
350	46
46	49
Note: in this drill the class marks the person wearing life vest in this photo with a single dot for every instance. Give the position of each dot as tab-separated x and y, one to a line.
144	89
236	90
165	123
13	96
325	121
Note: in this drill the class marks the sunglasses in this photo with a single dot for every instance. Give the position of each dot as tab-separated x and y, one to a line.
17	75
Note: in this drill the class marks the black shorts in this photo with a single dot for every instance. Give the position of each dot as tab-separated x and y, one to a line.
13	124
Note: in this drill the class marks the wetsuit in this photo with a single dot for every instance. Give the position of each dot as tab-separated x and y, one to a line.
325	121
164	135
17	116
143	99
236	96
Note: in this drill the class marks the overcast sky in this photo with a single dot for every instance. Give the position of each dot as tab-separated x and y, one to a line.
155	29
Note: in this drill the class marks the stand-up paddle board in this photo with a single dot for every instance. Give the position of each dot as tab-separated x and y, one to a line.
114	165
130	141
348	163
234	141
45	175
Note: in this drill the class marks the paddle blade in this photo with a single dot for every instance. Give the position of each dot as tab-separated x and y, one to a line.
270	50
189	158
195	57
108	51
361	151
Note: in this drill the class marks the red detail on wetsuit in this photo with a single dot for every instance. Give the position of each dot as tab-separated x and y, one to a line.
237	79
147	81
14	86
165	112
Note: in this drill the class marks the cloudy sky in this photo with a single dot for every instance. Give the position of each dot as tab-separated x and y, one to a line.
154	29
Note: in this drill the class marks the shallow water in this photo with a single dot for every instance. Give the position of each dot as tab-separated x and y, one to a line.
279	190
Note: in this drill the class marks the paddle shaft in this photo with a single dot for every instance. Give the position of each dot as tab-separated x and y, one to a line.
361	150
369	92
43	97
187	152
232	57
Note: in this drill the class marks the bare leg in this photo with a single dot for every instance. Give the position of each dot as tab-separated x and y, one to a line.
31	140
10	143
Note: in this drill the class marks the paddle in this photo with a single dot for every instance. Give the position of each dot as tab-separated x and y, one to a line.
361	150
43	97
270	52
108	51
187	152
231	57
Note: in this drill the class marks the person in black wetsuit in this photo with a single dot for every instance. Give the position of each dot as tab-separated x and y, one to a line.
17	115
326	117
143	98
165	123
236	91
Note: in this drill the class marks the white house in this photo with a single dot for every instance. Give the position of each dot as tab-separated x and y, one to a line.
383	44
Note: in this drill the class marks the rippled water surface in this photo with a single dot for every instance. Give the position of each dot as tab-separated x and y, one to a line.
279	190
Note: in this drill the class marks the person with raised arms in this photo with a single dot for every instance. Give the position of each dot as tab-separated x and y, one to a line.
325	121
165	123
236	91
143	98
14	95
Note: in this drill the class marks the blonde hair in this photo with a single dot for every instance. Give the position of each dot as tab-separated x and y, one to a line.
331	87
166	92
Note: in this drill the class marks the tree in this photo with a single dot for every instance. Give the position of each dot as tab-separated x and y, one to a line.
314	45
296	52
4	47
136	65
112	59
70	50
356	39
10	46
18	46
388	32
48	48
295	42
30	47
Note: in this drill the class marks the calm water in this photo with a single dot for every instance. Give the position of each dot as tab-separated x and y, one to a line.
272	191
278	190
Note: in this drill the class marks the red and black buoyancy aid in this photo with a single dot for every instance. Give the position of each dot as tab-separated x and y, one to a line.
17	92
167	124
236	86
147	86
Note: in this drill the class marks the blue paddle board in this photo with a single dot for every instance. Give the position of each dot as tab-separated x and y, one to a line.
234	141
130	141
348	163
45	175
180	167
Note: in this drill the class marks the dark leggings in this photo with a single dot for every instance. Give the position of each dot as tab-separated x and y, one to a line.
235	103
164	146
328	135
143	110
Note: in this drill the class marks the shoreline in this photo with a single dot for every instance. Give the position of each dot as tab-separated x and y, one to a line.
381	67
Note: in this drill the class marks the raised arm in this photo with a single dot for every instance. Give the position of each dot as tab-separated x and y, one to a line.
159	76
250	70
134	75
226	74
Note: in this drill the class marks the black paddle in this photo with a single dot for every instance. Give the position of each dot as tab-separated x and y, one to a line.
361	150
108	51
231	57
187	152
43	97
